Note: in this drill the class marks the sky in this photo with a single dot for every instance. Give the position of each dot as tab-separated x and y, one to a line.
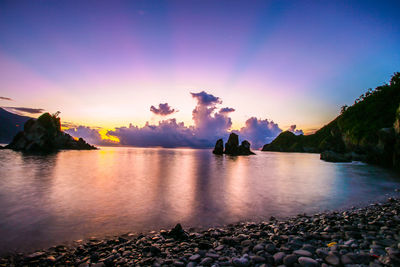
117	66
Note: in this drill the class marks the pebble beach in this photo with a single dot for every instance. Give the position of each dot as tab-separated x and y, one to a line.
367	236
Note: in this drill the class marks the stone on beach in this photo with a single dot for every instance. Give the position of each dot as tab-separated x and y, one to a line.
356	237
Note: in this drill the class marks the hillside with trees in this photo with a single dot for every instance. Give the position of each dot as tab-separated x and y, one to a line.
365	128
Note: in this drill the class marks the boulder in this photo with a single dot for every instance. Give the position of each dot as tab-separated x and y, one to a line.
44	135
176	233
331	156
219	147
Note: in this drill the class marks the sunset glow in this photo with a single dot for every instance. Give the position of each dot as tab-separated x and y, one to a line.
290	63
200	133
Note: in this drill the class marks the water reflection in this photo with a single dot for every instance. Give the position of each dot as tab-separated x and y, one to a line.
71	195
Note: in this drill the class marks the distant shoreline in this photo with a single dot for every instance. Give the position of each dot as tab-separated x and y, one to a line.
351	236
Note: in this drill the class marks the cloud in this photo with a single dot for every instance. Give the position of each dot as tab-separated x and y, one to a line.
206	99
6	98
163	109
67	124
226	110
293	130
210	124
259	132
167	133
89	134
26	110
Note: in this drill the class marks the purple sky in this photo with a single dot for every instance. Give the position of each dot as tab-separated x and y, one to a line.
105	63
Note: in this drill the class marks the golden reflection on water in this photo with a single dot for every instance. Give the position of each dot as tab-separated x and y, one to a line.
76	194
237	181
181	183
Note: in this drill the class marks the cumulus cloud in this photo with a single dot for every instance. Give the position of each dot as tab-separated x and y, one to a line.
206	99
5	98
163	109
259	132
210	123
89	134
293	130
25	110
167	133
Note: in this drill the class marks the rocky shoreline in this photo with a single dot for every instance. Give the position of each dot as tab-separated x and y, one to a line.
368	236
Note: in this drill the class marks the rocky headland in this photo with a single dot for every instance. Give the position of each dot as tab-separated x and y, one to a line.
232	147
45	135
368	130
366	236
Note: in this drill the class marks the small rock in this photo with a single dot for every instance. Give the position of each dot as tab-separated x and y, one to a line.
322	253
332	260
308	262
278	257
270	248
289	260
206	261
35	255
302	253
257	259
51	259
258	247
155	250
346	259
178	263
195	257
220	247
241	262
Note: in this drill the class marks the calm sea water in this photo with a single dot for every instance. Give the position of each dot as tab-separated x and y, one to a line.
47	200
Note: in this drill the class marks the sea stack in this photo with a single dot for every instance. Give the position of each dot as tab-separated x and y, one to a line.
219	147
232	147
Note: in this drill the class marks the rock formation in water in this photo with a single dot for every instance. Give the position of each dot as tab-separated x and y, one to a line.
331	156
232	147
44	135
219	147
244	148
369	130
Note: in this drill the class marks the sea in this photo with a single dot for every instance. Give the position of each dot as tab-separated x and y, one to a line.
53	199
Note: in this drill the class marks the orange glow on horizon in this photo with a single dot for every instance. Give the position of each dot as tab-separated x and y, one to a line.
105	136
